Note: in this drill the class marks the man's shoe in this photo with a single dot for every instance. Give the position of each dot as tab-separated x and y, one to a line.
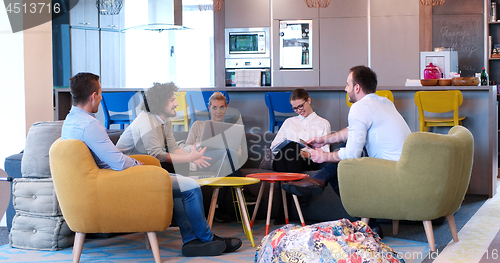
378	230
249	197
232	243
305	187
198	248
221	217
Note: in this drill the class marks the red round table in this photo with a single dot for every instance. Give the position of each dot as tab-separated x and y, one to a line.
272	178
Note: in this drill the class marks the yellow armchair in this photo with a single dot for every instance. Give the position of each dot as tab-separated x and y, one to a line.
93	200
429	181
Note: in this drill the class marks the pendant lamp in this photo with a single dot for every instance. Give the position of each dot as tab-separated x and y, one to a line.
317	3
432	2
109	7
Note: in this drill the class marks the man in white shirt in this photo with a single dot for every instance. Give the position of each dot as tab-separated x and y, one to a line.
374	124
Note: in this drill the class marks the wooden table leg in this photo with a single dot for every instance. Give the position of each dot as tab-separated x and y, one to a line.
269	206
285	205
244	215
257	203
296	201
213	203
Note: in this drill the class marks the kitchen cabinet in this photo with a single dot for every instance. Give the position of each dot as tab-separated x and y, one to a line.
96	44
242	14
84	14
112	22
111	64
85	51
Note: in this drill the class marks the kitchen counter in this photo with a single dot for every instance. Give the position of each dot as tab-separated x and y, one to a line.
479	107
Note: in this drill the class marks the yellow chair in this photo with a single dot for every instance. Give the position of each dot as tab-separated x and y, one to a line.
93	200
438	102
381	93
180	97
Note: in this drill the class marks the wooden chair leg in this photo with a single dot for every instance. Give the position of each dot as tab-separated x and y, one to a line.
395	227
78	246
453	229
153	240
365	220
213	203
430	235
148	246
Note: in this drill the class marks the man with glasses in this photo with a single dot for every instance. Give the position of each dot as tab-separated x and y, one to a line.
374	124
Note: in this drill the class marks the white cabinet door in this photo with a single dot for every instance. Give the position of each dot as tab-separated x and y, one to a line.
84	14
85	51
110	59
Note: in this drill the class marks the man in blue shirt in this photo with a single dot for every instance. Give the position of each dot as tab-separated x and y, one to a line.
81	124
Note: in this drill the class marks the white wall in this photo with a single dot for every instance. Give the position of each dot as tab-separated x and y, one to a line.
25	83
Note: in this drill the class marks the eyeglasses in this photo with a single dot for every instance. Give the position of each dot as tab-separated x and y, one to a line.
300	107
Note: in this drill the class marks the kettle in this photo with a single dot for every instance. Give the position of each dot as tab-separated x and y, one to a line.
432	72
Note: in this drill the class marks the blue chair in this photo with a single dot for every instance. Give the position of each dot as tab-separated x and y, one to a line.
278	102
115	106
198	104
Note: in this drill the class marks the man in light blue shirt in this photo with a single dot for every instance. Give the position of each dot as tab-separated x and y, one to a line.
81	124
374	124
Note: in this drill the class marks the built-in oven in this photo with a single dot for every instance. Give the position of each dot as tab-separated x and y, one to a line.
247	42
238	66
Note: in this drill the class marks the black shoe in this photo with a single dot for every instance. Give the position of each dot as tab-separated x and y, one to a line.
198	248
232	243
378	230
221	217
305	187
249	197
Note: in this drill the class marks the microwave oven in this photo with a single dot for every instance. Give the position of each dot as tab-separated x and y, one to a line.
247	42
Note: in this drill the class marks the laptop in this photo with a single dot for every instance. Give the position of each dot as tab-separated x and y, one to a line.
222	135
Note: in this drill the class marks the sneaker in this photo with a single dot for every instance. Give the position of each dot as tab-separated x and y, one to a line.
198	248
232	243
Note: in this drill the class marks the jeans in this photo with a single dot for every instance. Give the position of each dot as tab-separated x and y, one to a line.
189	212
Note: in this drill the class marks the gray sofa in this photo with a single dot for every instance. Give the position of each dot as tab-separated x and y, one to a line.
321	208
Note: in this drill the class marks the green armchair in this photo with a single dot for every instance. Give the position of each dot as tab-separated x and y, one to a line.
429	181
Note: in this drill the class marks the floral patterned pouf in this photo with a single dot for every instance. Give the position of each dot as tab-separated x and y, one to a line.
334	241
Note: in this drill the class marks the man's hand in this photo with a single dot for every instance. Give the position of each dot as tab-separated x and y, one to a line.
198	158
318	155
140	163
316	142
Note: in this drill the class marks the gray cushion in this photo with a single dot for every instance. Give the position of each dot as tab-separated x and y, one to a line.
35	196
35	162
40	233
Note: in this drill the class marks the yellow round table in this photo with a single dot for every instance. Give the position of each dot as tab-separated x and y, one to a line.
237	183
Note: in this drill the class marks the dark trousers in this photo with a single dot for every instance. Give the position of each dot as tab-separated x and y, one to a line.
288	159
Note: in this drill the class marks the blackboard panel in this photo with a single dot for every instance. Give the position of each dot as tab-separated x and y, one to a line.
464	33
459	7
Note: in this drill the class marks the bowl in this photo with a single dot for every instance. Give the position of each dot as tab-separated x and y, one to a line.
444	82
465	81
429	82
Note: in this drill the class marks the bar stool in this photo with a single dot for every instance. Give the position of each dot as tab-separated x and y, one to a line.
272	178
237	183
438	102
381	93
